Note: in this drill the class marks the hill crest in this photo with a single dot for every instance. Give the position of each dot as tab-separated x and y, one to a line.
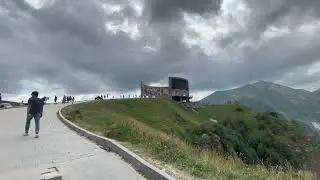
299	104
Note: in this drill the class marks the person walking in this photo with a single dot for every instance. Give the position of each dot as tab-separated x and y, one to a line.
34	111
64	99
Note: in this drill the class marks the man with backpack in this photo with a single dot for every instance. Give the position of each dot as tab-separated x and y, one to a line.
35	111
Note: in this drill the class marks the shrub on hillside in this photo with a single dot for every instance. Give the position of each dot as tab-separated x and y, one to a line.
274	114
271	141
74	115
239	109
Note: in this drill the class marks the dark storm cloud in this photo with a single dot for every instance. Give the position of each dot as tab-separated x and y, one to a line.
22	5
67	45
85	21
76	42
168	10
264	14
277	9
292	13
5	31
274	58
9	84
270	62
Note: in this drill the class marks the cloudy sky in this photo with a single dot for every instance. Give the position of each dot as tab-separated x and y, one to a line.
84	47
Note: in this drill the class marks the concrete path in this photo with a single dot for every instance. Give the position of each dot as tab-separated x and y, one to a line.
25	158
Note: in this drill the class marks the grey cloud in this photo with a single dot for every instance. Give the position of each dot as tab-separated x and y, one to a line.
276	58
276	9
272	61
72	42
66	45
15	6
85	21
22	5
5	32
168	10
277	13
9	84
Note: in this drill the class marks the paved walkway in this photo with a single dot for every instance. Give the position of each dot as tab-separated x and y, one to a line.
25	158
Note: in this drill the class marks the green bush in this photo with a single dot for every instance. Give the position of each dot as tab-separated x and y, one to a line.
271	141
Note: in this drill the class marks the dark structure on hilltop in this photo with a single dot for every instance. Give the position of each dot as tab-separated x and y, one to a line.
177	90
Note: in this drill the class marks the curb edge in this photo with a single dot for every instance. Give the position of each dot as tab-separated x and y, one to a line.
139	164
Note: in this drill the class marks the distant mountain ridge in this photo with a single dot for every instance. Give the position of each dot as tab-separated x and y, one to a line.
262	96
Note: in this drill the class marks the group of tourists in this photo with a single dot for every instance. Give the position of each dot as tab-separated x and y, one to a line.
67	99
101	97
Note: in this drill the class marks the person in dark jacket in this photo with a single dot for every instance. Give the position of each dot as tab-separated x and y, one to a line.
55	99
34	111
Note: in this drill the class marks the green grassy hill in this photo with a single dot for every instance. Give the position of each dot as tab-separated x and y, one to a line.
218	141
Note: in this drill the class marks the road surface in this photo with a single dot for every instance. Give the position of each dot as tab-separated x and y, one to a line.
25	158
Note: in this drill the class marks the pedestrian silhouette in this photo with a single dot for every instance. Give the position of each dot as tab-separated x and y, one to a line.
34	111
55	99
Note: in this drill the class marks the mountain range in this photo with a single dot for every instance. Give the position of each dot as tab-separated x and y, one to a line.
262	96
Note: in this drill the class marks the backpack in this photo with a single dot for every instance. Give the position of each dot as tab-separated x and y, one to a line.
36	105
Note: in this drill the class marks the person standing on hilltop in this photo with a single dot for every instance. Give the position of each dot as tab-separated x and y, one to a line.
34	111
64	99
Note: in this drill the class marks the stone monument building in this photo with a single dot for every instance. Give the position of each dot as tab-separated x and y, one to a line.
178	90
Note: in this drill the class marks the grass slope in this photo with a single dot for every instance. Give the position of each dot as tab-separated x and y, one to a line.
165	131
